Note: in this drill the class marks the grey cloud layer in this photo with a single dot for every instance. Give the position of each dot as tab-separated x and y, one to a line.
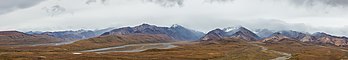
180	3
332	3
168	3
7	6
195	14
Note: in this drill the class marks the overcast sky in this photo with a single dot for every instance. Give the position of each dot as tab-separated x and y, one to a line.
202	15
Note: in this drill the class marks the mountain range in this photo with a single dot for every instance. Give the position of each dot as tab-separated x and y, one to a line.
266	35
72	35
318	38
175	32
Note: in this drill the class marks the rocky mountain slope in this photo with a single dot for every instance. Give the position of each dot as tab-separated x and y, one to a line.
239	32
269	35
216	34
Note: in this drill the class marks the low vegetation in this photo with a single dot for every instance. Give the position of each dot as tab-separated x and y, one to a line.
224	49
231	49
307	51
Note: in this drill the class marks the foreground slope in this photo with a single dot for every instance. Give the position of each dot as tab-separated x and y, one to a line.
223	49
102	42
115	40
307	51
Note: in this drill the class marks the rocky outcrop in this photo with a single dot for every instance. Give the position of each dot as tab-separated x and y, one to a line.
275	37
245	34
214	35
330	39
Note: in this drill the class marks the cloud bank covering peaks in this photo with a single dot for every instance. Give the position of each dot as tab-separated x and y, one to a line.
203	15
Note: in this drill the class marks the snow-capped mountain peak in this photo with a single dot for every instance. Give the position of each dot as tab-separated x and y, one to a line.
176	26
229	29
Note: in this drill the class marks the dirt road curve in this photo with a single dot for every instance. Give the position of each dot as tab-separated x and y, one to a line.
285	56
133	48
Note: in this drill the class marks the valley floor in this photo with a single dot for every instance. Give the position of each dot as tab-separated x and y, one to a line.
183	51
233	50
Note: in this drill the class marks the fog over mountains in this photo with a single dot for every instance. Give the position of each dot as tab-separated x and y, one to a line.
61	15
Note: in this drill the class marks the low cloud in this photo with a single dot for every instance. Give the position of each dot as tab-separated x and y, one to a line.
54	10
207	24
279	25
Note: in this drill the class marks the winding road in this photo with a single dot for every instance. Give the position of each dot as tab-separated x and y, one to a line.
285	56
143	47
133	48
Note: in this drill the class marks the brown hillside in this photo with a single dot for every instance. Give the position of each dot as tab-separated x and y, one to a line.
19	38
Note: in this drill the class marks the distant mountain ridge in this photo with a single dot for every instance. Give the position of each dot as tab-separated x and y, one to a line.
176	32
319	38
268	35
73	35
